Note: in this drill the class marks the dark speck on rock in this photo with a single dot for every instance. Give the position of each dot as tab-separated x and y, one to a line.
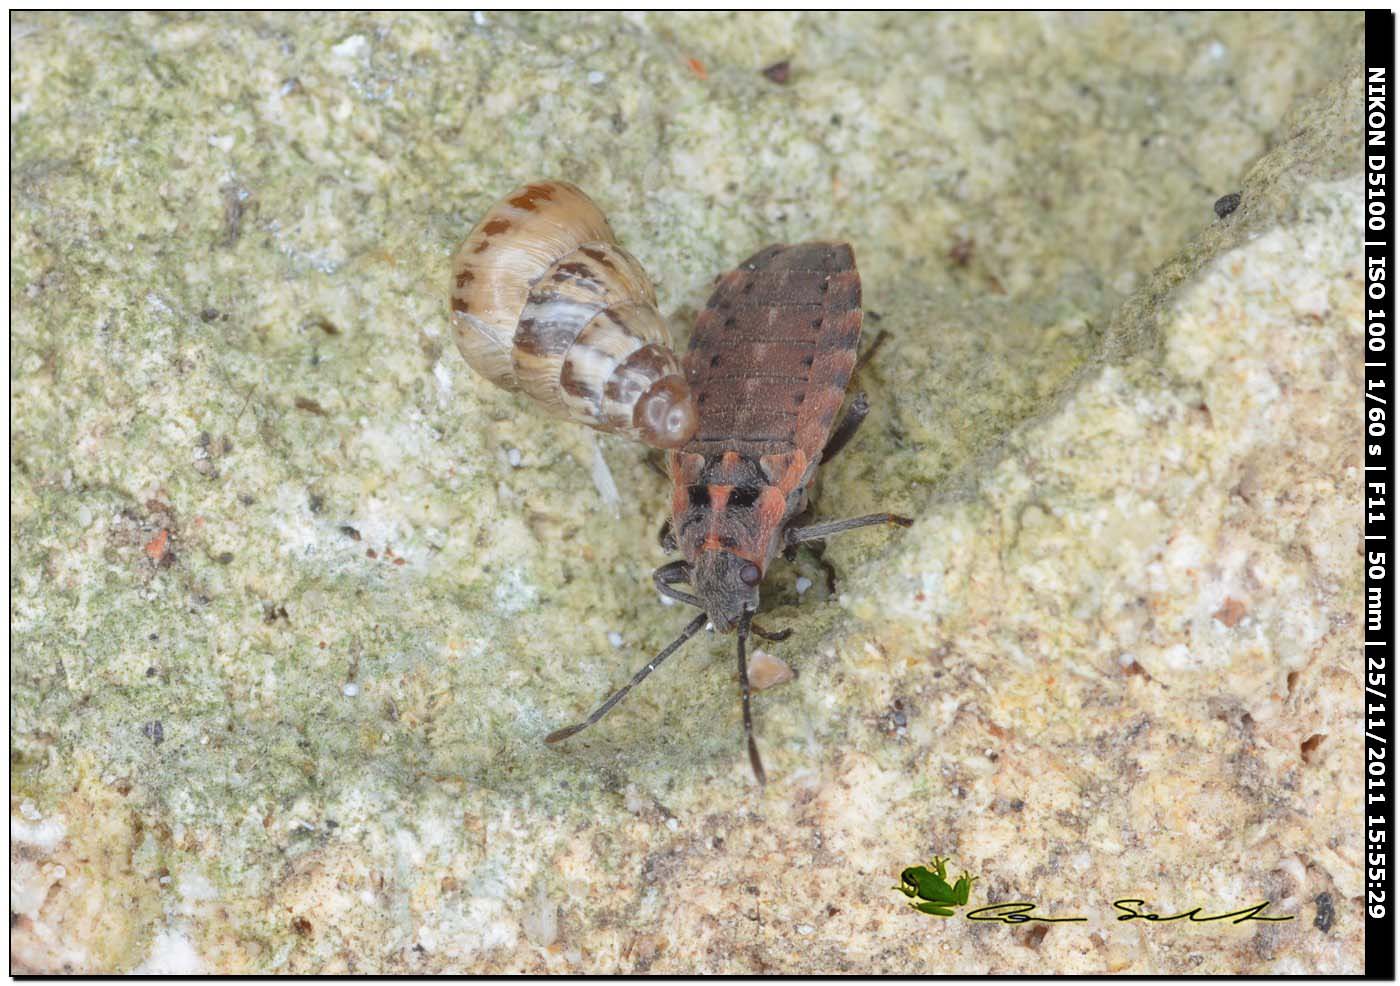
209	314
1325	914
1227	204
1017	804
778	72
151	672
224	557
155	732
315	501
350	532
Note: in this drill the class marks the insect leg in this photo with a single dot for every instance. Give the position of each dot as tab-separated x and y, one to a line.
754	760
796	535
692	628
666	537
656	462
669	574
799	520
871	350
848	427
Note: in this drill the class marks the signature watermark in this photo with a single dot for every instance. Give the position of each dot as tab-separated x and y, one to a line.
929	892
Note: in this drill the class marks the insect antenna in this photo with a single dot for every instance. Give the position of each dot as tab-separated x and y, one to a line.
754	758
692	628
775	636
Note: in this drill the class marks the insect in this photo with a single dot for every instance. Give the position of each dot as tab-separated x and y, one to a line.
769	362
545	301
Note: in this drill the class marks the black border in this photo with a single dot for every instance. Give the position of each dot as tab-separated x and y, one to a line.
1379	237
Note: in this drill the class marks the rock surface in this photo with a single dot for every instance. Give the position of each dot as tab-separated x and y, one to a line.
294	596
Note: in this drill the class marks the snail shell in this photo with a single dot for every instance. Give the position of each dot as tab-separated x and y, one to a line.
544	301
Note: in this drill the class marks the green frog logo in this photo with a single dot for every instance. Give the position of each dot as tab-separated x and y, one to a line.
931	888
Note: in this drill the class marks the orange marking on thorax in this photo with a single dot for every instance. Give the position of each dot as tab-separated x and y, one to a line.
719	498
771	507
685	471
792	475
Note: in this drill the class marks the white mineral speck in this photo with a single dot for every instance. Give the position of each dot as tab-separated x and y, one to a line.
171	954
666	600
513	457
803	584
46	835
223	143
615	638
596	78
350	690
443	376
29	811
351	47
541	922
805	929
603	479
673	824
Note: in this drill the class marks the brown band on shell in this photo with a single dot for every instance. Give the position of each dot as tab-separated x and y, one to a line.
528	197
653	362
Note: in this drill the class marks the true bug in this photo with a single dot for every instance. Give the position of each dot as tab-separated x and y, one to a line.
768	366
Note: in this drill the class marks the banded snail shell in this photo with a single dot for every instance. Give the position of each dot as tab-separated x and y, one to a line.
544	301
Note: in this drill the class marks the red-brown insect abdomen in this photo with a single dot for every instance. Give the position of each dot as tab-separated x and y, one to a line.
773	350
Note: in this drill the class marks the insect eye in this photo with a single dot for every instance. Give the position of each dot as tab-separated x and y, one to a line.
750	575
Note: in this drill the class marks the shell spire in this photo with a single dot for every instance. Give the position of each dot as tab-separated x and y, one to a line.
546	302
